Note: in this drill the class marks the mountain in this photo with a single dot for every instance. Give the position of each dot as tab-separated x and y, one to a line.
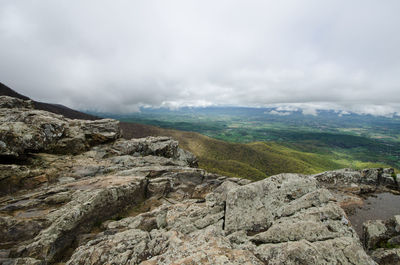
54	108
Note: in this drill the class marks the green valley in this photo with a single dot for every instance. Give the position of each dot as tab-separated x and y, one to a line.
254	149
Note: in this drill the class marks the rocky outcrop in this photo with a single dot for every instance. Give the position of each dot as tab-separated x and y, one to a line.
24	130
285	219
73	192
13	103
345	177
382	240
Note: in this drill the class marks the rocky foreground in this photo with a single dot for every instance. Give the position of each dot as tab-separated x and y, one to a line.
74	192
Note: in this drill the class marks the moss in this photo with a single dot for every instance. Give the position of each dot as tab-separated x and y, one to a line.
387	245
97	223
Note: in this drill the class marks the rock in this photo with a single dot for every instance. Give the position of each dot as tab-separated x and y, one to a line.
58	198
333	251
346	177
381	234
397	223
13	230
123	248
218	196
12	177
12	103
311	231
155	146
386	256
394	241
22	261
29	130
65	180
204	248
104	200
375	232
256	205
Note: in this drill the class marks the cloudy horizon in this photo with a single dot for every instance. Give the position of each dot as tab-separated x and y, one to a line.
122	55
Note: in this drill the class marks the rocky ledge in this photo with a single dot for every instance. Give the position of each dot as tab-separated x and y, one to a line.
73	192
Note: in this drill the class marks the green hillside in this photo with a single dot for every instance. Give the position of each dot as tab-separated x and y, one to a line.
251	160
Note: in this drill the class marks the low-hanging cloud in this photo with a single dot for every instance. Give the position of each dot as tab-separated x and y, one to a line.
120	55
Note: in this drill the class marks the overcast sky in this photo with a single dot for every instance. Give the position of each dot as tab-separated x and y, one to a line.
118	55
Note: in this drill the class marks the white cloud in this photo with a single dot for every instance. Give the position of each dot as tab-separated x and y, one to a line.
310	111
343	112
280	113
120	55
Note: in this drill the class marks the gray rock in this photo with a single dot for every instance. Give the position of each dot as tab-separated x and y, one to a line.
394	241
386	256
128	247
348	177
332	251
218	196
397	223
304	227
256	205
375	232
12	103
21	261
28	130
381	234
104	200
155	146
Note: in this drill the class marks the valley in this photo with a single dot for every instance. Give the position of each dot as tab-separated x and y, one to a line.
253	143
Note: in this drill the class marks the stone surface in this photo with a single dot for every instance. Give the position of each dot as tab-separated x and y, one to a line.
382	240
28	130
386	256
347	176
375	232
13	103
308	228
256	205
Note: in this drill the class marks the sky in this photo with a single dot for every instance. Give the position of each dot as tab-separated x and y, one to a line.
118	56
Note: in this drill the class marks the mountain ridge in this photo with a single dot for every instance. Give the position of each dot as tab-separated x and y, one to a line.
54	108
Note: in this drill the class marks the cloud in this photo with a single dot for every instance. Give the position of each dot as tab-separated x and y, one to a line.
118	56
279	113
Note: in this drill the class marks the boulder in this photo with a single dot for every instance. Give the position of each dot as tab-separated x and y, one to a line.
382	234
13	103
256	205
365	177
27	130
155	146
386	256
375	233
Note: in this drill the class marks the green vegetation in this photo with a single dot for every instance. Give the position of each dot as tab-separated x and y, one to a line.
387	245
253	161
243	142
